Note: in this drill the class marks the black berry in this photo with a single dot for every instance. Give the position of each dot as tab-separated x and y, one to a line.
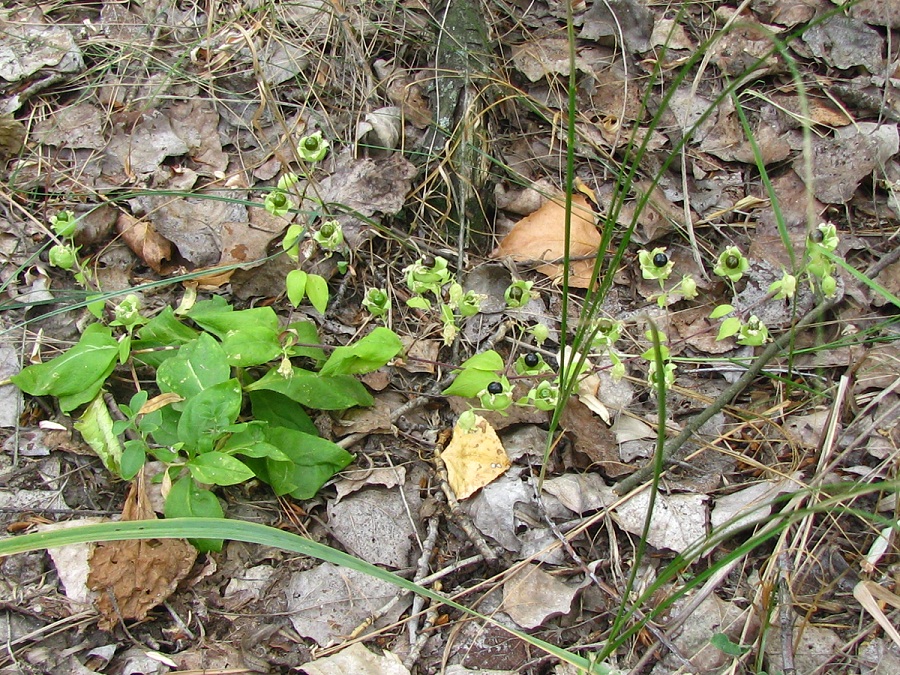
428	261
660	260
495	388
817	236
532	359
732	261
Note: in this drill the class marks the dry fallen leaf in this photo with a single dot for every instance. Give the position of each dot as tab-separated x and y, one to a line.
146	242
474	457
531	596
541	236
133	577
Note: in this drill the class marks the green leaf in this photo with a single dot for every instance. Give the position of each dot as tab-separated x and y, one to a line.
96	426
365	355
729	327
187	499
280	411
133	458
721	311
251	345
418	302
223	320
315	460
489	360
295	284
316	391
317	292
252	443
207	415
470	383
161	332
198	365
475	374
219	468
76	376
724	644
307	334
162	425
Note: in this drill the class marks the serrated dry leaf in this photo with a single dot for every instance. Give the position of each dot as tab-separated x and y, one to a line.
474	457
133	577
541	236
146	242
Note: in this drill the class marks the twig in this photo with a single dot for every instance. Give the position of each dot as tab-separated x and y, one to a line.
672	447
786	614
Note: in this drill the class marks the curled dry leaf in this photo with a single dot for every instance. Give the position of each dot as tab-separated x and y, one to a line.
133	577
541	236
146	242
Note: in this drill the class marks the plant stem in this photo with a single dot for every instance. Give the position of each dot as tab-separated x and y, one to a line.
670	452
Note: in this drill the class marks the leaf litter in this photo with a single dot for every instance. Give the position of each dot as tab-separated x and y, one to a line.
181	157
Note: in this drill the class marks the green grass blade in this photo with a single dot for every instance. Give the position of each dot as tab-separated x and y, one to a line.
255	533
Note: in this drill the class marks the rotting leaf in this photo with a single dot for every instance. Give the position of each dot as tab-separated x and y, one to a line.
541	236
132	577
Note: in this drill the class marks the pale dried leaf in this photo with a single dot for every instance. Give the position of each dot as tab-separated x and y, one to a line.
838	166
531	596
541	236
619	19
581	492
750	505
375	525
869	594
678	520
388	476
196	225
474	457
142	148
328	602
358	660
844	42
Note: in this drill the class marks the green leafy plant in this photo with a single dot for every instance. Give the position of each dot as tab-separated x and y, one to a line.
224	413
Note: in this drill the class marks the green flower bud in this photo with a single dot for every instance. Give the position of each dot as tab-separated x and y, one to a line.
688	287
287	181
825	235
422	277
753	333
518	294
62	257
496	396
540	332
313	148
655	264
64	224
544	395
330	235
732	264
784	287
608	332
128	312
278	203
829	286
376	301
